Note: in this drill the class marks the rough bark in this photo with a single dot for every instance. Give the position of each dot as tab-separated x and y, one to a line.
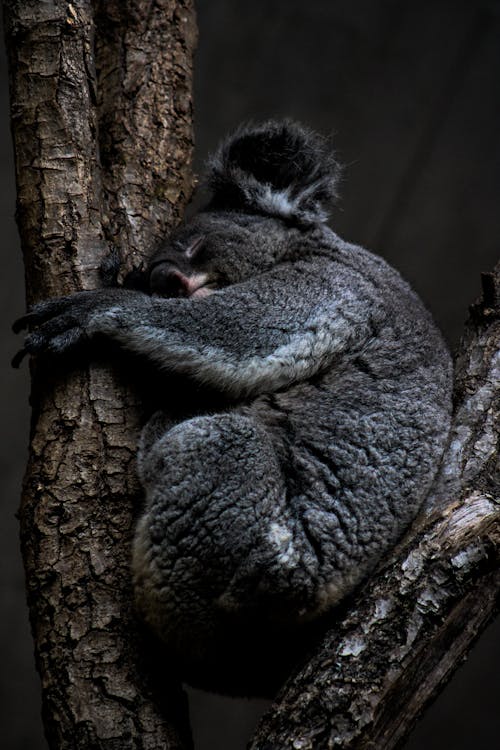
85	178
143	60
411	625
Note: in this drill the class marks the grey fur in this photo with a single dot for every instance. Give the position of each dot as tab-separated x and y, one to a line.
278	168
334	385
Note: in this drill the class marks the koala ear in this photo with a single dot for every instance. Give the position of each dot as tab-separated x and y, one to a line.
278	168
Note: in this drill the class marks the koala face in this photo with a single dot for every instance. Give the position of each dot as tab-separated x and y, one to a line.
216	249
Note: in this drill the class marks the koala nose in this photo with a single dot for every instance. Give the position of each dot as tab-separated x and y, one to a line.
168	281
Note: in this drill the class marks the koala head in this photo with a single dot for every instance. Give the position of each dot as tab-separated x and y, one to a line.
269	182
216	249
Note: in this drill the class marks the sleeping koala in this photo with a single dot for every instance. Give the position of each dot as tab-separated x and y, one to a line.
333	389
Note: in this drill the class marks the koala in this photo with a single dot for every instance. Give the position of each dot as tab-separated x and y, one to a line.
321	406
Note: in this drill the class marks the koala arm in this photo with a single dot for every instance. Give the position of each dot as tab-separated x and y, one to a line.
257	336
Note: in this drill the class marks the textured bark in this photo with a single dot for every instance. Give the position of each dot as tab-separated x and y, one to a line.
76	191
144	66
412	623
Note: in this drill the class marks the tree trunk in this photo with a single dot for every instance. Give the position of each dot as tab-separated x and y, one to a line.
408	628
102	127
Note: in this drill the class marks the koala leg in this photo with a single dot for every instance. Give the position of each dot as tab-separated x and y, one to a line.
216	537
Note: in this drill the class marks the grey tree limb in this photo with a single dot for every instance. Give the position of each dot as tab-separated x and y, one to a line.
412	623
75	130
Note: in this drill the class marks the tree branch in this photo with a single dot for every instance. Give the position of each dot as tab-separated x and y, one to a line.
80	489
412	623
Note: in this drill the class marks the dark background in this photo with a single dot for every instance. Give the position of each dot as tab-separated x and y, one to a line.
412	93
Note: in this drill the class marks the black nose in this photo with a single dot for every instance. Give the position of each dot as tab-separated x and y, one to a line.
168	281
